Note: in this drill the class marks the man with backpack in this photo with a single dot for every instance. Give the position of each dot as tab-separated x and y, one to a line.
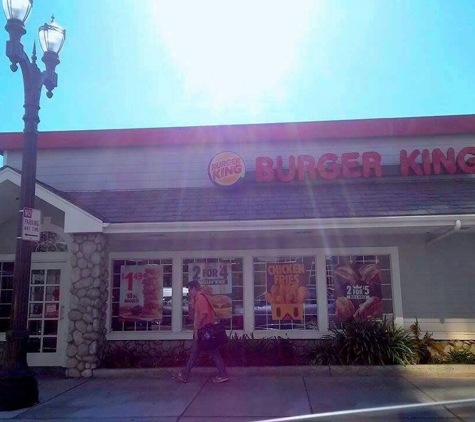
203	315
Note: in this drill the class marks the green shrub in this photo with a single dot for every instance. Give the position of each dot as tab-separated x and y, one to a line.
428	350
326	352
460	355
366	343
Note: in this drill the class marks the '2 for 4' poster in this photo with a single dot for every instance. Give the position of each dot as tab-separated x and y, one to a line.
215	279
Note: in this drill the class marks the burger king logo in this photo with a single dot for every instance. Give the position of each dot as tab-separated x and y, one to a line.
226	169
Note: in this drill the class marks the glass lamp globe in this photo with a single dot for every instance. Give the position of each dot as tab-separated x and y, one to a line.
17	9
51	37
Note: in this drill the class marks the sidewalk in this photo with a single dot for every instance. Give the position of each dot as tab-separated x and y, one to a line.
253	394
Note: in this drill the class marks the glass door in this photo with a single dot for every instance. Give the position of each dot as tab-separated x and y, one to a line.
46	321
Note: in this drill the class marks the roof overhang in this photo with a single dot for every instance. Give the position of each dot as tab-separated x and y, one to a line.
403	223
79	220
249	133
76	219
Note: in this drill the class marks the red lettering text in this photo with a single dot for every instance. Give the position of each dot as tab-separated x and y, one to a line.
467	166
409	162
332	169
264	170
280	169
426	164
439	160
306	163
349	164
372	160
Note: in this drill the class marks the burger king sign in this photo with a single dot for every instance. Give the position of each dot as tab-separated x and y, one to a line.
226	169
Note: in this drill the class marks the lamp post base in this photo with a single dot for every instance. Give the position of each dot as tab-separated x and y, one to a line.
18	389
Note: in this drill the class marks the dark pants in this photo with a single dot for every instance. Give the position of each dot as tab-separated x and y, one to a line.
195	353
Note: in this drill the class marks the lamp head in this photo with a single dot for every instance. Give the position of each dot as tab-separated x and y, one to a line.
52	37
17	9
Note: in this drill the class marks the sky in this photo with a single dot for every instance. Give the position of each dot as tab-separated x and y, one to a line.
153	63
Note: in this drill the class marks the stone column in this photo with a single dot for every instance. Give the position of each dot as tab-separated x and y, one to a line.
88	308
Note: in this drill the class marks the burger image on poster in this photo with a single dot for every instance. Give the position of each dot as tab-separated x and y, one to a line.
222	304
358	294
226	169
152	292
372	307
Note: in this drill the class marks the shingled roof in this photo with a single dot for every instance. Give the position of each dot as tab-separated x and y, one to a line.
437	196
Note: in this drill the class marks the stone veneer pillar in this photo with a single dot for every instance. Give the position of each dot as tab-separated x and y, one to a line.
88	308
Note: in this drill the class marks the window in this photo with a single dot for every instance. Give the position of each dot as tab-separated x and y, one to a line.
51	242
43	310
285	293
131	273
359	287
6	291
222	280
284	288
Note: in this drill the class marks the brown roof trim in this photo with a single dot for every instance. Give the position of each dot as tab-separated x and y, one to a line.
284	132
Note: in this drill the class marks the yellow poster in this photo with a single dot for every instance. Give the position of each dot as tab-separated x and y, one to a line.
286	290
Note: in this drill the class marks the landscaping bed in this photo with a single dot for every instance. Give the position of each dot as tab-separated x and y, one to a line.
352	344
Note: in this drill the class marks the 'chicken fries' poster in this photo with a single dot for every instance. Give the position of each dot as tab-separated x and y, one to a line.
286	289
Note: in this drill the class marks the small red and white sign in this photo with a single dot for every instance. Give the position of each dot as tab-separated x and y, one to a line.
31	225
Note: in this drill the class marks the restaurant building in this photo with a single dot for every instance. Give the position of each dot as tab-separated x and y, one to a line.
289	227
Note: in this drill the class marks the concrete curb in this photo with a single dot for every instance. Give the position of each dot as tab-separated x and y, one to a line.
423	371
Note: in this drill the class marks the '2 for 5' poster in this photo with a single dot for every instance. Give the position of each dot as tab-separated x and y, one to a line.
358	293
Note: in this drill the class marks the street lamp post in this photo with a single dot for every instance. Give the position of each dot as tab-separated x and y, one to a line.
18	385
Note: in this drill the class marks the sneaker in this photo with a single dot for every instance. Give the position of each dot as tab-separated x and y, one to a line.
180	377
218	379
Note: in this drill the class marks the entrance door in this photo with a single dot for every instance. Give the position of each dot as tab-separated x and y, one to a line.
46	321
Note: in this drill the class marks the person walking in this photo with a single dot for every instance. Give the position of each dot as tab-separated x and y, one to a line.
203	315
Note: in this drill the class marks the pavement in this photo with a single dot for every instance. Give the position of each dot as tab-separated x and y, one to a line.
251	395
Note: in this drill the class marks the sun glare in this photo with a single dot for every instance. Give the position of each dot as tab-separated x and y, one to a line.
230	53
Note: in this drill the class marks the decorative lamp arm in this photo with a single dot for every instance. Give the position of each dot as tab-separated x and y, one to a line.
49	76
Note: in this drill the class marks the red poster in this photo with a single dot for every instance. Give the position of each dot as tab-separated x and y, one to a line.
358	292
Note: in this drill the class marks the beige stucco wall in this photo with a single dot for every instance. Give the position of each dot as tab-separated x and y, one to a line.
8	237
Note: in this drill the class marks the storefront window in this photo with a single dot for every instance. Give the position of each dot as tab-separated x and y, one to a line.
285	293
6	291
221	280
51	242
142	295
43	310
359	287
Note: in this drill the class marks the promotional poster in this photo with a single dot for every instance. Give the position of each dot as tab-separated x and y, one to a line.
141	292
216	282
358	293
286	290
